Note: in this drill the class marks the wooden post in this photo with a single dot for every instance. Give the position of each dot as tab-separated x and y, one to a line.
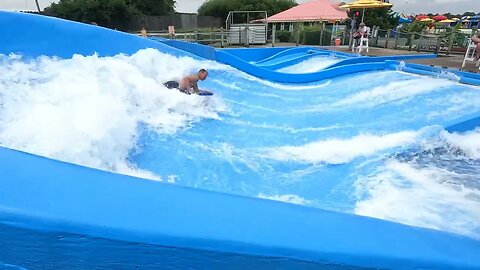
388	37
450	42
321	33
274	31
221	37
397	37
297	31
439	43
412	38
246	37
419	43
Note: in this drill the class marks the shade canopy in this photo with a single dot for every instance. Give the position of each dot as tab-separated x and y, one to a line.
317	10
421	17
447	21
364	4
439	17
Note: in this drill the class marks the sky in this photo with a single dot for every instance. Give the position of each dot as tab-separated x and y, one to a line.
409	6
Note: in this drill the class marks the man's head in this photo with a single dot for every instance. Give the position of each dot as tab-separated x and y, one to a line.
202	74
362	24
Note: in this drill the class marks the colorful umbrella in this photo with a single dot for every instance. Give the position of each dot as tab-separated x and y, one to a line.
427	20
440	17
447	21
364	4
421	17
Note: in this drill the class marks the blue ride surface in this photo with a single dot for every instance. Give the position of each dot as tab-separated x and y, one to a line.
64	216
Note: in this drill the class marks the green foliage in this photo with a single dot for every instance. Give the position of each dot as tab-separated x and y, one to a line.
414	27
469	13
108	13
284	36
385	18
220	8
154	7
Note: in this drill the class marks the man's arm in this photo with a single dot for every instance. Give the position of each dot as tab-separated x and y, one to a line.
195	87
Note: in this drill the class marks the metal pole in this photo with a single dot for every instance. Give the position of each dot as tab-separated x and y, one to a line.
350	42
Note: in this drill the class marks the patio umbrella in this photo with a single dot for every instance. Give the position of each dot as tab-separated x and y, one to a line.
447	21
440	17
364	4
427	20
421	17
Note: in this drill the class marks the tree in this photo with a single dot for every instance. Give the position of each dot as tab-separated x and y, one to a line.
154	7
221	8
385	18
108	13
469	13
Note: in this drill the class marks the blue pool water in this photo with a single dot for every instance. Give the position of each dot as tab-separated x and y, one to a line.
70	251
372	143
360	143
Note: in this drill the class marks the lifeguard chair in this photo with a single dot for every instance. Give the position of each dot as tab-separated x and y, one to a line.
363	44
470	54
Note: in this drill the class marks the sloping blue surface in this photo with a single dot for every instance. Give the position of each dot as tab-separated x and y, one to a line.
263	62
35	35
44	195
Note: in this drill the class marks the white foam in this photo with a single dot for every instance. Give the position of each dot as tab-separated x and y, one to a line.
290	87
395	90
313	64
468	143
423	197
289	198
338	151
87	110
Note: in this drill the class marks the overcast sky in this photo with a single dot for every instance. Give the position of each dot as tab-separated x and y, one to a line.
415	6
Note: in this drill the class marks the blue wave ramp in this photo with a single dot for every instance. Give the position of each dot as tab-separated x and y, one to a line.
65	216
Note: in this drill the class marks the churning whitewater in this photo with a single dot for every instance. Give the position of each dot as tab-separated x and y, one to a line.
369	143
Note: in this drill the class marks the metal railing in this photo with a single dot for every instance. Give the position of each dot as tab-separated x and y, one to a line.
221	37
443	42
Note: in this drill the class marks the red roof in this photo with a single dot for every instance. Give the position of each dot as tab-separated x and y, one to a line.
317	10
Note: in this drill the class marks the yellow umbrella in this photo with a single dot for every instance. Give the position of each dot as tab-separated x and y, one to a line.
447	21
364	4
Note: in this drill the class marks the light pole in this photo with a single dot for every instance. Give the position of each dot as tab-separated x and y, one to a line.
38	6
404	6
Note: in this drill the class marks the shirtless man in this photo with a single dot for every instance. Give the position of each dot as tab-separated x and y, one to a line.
476	40
188	84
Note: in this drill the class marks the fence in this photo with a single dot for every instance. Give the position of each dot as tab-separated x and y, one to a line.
220	37
179	20
320	37
446	42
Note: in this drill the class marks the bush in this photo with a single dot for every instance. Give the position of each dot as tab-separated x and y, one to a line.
284	36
